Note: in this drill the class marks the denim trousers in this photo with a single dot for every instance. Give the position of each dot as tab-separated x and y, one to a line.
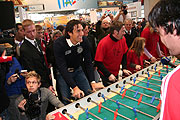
80	80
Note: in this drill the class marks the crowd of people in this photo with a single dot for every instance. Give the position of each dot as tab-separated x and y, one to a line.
84	58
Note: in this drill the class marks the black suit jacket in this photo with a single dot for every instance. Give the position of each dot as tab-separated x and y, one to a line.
32	59
130	37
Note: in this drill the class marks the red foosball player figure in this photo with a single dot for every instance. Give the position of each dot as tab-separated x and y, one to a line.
115	114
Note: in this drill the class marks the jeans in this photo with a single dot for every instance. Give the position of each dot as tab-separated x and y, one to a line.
79	78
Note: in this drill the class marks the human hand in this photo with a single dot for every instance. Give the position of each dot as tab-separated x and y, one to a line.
12	79
23	73
22	104
103	17
50	117
147	62
97	86
127	72
111	16
138	67
77	93
112	78
153	59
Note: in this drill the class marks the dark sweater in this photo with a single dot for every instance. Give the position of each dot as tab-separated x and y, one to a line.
70	57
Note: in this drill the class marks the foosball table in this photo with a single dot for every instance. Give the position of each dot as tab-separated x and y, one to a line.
136	97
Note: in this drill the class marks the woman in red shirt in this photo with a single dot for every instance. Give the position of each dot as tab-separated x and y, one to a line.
135	55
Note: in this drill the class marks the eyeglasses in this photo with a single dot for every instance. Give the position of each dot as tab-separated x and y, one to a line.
105	23
40	32
128	24
34	82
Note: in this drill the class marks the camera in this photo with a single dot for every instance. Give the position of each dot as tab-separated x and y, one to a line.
32	107
10	50
124	9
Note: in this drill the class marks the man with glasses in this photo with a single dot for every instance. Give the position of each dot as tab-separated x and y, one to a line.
164	17
43	96
102	26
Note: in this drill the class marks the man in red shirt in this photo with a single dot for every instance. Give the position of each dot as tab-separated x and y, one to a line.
164	17
111	52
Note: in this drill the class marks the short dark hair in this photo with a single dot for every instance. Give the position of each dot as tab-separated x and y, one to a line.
117	25
70	26
60	28
18	24
84	24
166	14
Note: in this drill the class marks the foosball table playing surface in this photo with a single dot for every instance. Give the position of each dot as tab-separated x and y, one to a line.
136	97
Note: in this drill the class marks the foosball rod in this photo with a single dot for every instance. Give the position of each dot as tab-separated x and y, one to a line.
128	106
156	71
78	106
65	112
109	110
149	83
143	87
132	98
151	78
166	69
118	86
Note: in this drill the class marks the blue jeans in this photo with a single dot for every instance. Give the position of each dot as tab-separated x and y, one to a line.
79	78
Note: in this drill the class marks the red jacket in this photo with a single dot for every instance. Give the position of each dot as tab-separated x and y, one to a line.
133	58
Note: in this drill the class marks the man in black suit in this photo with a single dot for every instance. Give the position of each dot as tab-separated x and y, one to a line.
130	33
31	54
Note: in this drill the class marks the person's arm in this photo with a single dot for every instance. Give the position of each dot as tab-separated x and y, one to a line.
116	18
159	50
89	66
146	52
102	68
124	61
52	98
124	65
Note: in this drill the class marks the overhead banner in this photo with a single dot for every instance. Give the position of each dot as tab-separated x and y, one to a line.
62	5
113	10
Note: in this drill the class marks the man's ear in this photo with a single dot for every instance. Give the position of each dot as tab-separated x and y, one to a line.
115	32
175	32
161	30
69	33
39	84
